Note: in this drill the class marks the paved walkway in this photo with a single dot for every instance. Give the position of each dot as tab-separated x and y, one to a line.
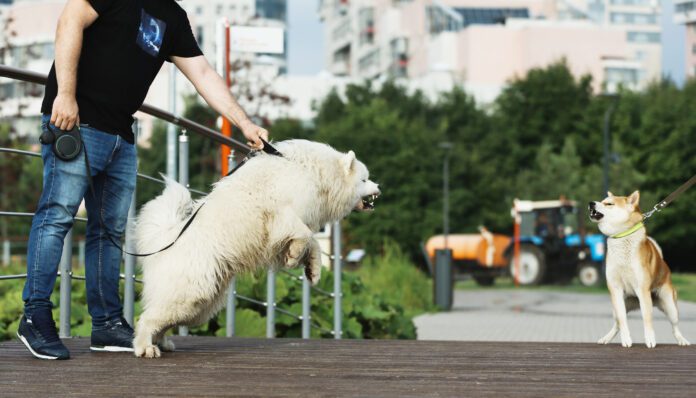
539	316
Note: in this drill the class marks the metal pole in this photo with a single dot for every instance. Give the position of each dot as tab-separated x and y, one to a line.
81	247
65	285
445	203
171	129
338	313
607	120
183	180
129	261
306	308
270	305
231	307
6	253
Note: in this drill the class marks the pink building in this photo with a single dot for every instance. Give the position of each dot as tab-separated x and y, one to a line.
685	13
482	44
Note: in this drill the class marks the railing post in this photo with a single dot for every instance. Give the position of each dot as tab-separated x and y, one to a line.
306	307
6	252
171	129
81	247
183	180
65	285
270	304
338	313
231	307
129	261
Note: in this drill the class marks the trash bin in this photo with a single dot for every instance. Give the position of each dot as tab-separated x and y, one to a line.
443	279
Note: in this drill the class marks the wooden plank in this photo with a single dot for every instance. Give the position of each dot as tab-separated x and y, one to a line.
207	366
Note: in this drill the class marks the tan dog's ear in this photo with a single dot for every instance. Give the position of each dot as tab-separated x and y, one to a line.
347	161
634	198
609	194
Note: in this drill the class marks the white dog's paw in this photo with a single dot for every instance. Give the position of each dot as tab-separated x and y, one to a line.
149	351
650	339
167	345
313	273
296	250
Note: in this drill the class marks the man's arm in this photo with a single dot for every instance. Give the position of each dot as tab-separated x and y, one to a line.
76	16
215	92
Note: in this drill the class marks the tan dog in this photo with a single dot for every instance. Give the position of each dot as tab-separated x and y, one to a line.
637	275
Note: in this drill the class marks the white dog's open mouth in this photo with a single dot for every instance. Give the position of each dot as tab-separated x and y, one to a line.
367	203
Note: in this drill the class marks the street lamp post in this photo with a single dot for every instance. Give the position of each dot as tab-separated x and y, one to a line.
443	281
447	146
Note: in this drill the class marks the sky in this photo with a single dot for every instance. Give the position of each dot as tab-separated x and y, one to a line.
306	55
305	38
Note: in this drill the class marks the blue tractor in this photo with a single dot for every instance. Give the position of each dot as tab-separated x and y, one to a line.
554	246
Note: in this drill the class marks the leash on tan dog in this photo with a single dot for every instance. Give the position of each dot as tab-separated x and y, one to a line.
658	207
670	198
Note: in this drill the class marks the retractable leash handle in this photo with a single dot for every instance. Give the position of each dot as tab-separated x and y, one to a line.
670	198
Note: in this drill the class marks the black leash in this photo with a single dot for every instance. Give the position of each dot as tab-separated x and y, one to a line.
268	148
671	197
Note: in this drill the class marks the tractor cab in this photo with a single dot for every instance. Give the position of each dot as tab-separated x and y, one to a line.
553	243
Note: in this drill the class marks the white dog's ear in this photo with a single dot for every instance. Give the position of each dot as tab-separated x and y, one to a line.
347	161
634	198
609	194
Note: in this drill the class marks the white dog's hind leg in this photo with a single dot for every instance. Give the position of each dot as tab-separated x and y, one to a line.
313	266
146	330
163	341
667	302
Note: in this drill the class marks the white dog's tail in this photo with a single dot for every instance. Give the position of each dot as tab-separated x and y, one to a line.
160	219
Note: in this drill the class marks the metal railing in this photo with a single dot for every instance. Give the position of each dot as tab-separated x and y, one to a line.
129	276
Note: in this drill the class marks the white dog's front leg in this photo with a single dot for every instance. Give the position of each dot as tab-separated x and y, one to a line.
292	236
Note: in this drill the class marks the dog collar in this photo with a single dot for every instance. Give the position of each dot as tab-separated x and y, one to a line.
629	231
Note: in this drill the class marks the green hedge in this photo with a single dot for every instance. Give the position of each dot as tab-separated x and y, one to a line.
379	301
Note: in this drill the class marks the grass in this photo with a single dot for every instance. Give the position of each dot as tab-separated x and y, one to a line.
684	283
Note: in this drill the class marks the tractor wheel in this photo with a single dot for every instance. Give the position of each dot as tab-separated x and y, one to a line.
532	266
589	275
484	280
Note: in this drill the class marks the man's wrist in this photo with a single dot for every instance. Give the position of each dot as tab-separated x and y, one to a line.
70	94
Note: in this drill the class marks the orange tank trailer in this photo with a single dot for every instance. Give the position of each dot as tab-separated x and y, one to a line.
473	247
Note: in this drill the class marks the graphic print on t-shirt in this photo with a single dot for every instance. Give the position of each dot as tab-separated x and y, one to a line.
150	33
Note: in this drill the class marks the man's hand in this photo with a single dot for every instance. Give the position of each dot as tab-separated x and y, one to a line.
216	93
64	114
252	133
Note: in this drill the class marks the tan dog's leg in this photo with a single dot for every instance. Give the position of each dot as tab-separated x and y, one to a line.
617	300
646	306
667	302
630	303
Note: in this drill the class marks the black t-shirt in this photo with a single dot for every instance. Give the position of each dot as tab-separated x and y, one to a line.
122	51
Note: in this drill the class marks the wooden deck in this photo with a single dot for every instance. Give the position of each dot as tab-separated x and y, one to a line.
367	368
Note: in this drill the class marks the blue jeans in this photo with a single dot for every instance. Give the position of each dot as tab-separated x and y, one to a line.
113	166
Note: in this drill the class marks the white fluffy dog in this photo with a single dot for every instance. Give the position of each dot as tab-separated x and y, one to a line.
263	215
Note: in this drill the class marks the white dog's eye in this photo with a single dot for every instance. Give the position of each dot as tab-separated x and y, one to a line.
364	180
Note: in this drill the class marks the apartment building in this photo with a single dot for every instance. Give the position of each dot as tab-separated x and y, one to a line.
685	14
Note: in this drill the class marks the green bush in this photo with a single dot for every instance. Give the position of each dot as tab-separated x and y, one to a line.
372	306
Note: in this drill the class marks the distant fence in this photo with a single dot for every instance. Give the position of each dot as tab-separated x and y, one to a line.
129	275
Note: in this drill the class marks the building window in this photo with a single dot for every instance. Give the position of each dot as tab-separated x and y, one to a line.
633	18
632	2
399	57
366	25
199	10
643	37
370	62
693	49
199	35
271	9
